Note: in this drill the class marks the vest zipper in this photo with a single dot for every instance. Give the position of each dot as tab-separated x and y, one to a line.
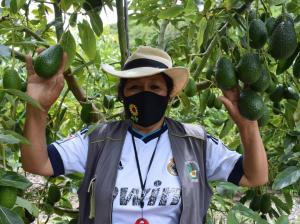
91	191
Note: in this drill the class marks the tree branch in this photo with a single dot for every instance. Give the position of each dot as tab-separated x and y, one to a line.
161	37
203	85
126	26
59	26
121	32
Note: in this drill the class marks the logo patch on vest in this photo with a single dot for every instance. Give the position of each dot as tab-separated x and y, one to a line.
192	169
172	167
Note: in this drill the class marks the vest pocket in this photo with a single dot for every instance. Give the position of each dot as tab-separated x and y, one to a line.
91	191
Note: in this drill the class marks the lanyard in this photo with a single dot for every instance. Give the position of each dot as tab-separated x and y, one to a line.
143	184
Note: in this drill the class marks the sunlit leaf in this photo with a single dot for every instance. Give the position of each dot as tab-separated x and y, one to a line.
23	96
88	40
9	217
69	45
12	179
171	12
287	177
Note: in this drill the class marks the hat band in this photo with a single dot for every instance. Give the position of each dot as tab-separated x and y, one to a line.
143	62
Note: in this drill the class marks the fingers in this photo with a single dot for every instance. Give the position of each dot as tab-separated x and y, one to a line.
227	103
29	65
63	63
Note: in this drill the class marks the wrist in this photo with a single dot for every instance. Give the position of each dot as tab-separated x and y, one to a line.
36	112
248	126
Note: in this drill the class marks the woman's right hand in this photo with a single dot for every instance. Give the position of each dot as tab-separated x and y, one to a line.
45	91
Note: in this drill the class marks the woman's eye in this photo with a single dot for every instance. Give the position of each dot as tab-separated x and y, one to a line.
155	87
133	87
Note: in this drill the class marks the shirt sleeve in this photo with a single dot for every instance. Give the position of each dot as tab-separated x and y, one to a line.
222	163
69	155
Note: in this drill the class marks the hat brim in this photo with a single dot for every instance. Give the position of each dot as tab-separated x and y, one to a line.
179	75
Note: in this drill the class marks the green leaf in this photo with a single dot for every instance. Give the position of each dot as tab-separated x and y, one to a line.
12	179
284	64
69	45
245	211
276	2
23	96
288	199
280	205
96	22
203	100
8	139
65	4
171	12
73	19
287	177
31	208
231	219
207	5
284	219
190	6
88	40
201	31
13	6
229	124
9	217
14	136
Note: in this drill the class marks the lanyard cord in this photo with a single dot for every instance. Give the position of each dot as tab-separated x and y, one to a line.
139	169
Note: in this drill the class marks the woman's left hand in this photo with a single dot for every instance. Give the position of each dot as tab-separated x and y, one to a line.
230	101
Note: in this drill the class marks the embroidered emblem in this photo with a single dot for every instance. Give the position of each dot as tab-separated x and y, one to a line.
134	112
192	169
171	167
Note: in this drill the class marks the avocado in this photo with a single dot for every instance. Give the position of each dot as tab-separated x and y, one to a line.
211	100
86	112
264	119
296	67
290	93
191	88
12	80
283	41
277	94
225	74
54	194
258	34
249	68
48	62
250	104
263	82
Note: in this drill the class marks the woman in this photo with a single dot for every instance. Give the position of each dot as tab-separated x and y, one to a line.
147	168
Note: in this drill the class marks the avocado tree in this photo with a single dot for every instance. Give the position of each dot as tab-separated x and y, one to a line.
225	44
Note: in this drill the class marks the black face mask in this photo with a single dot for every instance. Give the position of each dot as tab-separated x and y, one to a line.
145	108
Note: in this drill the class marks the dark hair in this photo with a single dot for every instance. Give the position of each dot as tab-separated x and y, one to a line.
121	86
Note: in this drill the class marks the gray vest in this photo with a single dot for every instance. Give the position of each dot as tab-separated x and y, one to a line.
188	143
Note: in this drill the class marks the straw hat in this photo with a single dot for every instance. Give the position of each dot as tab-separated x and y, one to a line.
147	61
